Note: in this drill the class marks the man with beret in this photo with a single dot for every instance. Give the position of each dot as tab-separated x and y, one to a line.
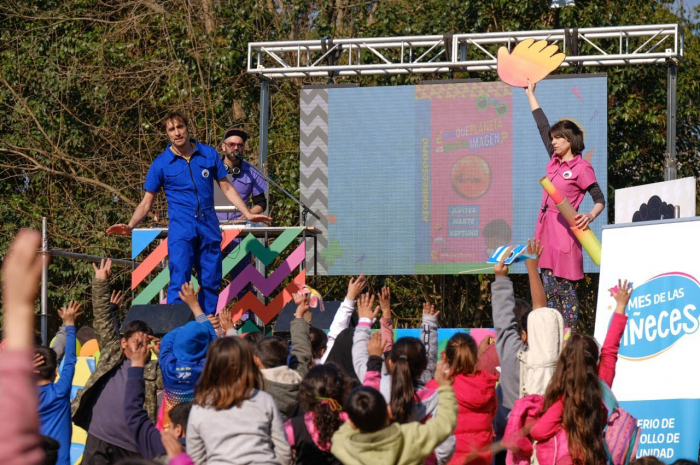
245	179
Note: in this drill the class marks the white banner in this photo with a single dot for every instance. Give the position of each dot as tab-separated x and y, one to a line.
655	201
658	375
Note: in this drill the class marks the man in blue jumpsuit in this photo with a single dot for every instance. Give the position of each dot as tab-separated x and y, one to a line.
186	172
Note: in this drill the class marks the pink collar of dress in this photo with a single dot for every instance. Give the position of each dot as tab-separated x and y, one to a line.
570	164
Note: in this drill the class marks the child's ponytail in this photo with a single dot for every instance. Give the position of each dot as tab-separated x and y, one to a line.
409	360
461	353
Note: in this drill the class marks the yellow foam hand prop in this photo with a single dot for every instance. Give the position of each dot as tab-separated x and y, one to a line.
529	60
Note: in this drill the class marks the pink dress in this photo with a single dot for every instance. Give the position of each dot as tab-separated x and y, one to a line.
562	251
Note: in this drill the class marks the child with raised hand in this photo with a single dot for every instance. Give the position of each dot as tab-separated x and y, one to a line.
282	379
233	421
574	398
146	435
182	355
410	365
20	443
58	344
428	342
54	397
98	407
370	436
341	320
475	391
322	395
385	321
562	260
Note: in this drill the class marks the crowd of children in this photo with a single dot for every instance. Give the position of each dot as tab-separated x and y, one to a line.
353	396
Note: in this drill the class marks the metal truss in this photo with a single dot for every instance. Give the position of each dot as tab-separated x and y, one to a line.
597	46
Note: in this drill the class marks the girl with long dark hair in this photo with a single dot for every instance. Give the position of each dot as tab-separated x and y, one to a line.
321	396
574	397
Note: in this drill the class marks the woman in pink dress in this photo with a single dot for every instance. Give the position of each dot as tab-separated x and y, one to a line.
562	260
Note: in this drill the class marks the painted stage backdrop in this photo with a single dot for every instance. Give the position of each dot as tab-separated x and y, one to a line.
430	179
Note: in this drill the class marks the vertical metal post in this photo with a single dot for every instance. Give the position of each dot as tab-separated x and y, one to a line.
262	163
671	162
44	283
264	122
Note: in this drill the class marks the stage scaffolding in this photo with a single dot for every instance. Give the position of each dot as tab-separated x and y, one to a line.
585	47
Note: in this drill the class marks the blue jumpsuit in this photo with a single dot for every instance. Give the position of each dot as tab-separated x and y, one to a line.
194	237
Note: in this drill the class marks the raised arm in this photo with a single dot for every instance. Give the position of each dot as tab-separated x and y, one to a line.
539	298
608	353
508	342
145	434
301	356
375	348
429	336
139	214
68	315
387	330
341	320
105	327
19	428
540	118
360	355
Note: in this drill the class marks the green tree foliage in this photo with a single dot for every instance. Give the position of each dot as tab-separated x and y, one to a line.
85	83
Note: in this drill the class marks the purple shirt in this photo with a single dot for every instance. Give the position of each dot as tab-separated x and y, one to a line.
108	419
248	183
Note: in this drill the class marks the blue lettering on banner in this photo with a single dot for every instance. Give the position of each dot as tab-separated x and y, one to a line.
464	221
661	311
670	430
463	210
464	233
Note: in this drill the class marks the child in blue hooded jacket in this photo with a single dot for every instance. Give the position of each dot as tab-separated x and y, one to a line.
182	355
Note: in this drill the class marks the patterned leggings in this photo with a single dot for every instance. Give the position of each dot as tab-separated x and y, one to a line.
561	294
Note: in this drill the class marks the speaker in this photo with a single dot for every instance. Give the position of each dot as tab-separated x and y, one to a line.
161	318
320	319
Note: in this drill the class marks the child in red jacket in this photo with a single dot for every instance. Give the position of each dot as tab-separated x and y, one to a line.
475	391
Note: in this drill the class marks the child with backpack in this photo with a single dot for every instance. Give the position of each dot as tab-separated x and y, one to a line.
54	397
574	400
475	391
371	436
233	421
321	397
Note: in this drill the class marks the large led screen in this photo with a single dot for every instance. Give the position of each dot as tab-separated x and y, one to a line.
430	179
